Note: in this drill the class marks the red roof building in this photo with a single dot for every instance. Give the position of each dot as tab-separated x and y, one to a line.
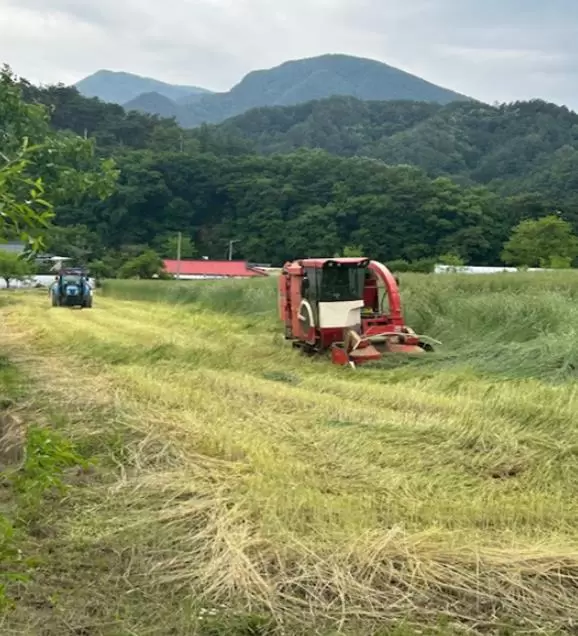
212	269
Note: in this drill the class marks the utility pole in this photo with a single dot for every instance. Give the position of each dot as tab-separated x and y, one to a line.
231	248
179	243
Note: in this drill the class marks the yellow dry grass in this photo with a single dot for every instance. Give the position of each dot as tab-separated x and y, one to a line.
270	483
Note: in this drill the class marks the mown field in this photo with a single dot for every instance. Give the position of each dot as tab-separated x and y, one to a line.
228	485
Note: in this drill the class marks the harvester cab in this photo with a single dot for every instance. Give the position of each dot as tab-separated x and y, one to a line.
71	288
339	305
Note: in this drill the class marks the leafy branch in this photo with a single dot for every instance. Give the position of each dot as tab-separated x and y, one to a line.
23	209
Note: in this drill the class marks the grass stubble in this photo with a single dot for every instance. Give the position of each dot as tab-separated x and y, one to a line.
241	488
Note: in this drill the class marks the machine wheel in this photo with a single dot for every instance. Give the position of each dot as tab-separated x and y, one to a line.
88	303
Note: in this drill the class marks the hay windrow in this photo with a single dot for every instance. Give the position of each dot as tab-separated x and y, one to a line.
249	477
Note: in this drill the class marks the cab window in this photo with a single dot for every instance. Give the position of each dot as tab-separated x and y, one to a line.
341	282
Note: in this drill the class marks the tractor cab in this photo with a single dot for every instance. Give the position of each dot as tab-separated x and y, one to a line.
335	280
346	281
334	291
73	280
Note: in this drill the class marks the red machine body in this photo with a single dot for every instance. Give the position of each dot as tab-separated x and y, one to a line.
338	304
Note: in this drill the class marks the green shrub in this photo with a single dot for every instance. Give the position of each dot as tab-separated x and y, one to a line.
399	266
47	456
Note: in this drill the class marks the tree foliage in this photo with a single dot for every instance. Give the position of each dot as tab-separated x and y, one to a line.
352	251
40	168
263	180
308	203
452	260
22	208
147	265
510	146
14	267
167	245
545	242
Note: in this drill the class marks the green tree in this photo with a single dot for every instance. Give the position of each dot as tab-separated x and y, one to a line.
107	267
545	242
40	168
313	232
560	262
75	241
398	266
22	208
352	251
453	261
14	267
148	265
167	246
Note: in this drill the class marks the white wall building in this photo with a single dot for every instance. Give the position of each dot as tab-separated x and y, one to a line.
42	280
482	269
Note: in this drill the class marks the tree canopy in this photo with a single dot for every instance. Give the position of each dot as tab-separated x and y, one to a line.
147	265
40	168
479	171
545	242
14	267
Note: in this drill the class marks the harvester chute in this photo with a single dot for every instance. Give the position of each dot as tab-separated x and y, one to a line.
335	304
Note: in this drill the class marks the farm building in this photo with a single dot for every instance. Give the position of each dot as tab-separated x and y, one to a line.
205	269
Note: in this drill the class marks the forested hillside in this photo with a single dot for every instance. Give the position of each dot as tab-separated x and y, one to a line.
213	185
513	147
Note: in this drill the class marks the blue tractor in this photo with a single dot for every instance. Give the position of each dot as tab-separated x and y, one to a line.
71	289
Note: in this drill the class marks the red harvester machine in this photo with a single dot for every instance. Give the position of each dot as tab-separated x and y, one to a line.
336	304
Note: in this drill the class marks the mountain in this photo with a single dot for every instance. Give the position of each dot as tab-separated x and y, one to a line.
315	78
119	88
153	104
304	80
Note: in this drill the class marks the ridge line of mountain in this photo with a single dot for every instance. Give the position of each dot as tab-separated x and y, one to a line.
292	82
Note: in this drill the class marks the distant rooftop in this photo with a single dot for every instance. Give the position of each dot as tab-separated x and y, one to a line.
206	268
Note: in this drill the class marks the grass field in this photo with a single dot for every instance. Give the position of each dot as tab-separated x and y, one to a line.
239	488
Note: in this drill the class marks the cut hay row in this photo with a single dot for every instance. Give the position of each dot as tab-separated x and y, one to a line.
252	485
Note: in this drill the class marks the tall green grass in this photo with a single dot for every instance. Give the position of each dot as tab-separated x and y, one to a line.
519	325
241	297
515	325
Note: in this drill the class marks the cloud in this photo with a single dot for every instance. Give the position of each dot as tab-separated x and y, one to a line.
495	50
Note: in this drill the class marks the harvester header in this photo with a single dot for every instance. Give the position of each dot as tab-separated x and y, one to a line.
338	304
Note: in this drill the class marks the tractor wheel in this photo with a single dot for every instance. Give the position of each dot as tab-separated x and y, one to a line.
88	303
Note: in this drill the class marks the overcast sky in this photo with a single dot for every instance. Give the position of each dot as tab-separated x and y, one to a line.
494	50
